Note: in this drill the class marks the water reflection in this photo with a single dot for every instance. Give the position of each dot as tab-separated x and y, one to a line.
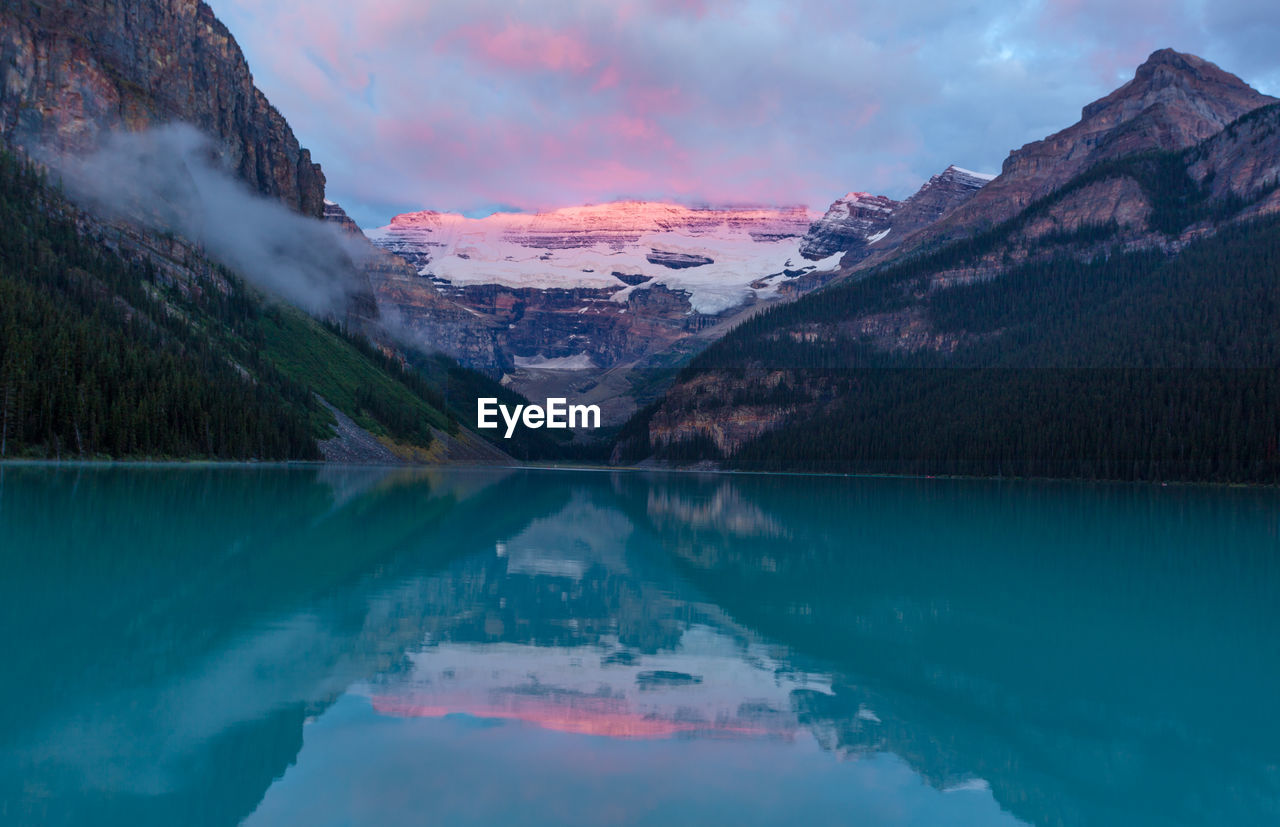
202	646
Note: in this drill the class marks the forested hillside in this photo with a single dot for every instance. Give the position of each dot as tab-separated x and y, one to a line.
99	358
1115	365
104	354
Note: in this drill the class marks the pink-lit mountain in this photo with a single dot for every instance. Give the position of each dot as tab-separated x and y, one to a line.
576	299
720	257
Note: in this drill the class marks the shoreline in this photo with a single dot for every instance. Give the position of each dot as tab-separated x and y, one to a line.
630	469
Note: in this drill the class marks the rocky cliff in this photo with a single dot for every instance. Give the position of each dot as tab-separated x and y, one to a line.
410	310
941	194
850	225
71	71
1243	161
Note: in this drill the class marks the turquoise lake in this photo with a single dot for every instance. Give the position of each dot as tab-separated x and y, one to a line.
319	646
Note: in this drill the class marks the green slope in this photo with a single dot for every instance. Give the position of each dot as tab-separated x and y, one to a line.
353	377
106	357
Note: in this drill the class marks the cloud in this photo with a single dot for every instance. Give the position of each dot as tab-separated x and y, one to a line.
523	46
170	179
453	105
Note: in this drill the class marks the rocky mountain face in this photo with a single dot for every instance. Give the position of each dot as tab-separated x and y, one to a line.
409	309
334	214
1174	101
851	223
557	300
941	194
860	225
72	71
1243	161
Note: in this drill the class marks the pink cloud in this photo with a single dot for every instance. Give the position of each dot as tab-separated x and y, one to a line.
691	8
519	45
474	102
608	79
632	128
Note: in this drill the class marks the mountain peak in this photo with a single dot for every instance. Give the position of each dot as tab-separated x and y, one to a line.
1174	100
1179	80
1172	57
954	172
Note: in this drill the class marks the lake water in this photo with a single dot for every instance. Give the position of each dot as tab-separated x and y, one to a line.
348	647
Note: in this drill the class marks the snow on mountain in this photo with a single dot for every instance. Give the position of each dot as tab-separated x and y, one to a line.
968	173
859	224
850	222
721	258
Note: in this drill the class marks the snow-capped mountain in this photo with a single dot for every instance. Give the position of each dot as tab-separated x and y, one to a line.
857	219
570	295
720	258
573	301
860	224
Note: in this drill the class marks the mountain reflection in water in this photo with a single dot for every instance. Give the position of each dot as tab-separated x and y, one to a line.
211	646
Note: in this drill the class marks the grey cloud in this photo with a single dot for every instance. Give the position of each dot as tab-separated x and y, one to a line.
170	179
796	100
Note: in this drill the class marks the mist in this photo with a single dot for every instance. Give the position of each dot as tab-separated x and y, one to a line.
171	179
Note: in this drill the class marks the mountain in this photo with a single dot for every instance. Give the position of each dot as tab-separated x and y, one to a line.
853	222
146	297
861	224
1174	101
410	309
577	293
1120	325
72	72
713	256
941	194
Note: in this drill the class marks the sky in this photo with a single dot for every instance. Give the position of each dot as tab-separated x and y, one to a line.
479	105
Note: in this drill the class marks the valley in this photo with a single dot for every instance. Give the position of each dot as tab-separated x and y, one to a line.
602	302
717	336
586	301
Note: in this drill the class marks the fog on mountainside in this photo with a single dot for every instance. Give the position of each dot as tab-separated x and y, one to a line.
170	179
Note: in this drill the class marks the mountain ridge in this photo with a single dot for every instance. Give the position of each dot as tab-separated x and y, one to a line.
1173	101
824	379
